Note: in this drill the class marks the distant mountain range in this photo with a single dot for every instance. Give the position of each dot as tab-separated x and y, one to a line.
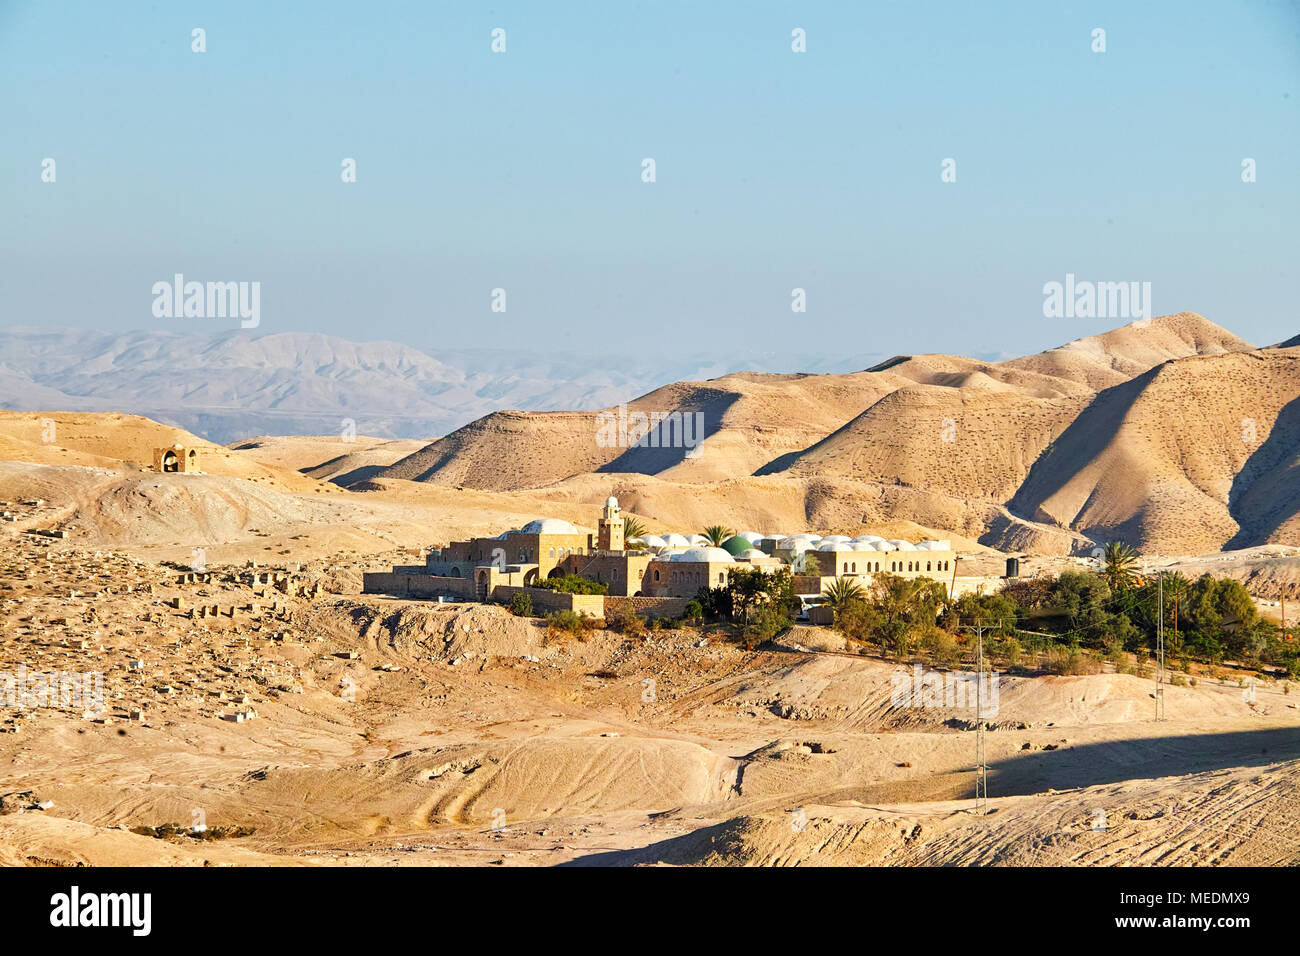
1172	434
233	385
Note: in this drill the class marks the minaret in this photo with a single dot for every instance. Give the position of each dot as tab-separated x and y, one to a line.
610	528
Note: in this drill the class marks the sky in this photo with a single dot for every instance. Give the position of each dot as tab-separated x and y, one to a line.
775	170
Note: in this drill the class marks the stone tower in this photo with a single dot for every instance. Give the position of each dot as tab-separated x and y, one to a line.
610	528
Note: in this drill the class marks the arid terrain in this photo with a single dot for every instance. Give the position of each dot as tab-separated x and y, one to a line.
250	686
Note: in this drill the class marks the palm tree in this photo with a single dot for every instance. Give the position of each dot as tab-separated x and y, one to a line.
1120	563
717	533
1175	592
633	528
842	592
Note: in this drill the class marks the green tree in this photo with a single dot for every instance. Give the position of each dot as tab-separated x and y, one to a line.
907	607
633	528
841	593
1120	563
717	533
1175	587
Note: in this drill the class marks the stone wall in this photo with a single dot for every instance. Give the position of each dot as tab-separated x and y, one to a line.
545	601
417	585
649	607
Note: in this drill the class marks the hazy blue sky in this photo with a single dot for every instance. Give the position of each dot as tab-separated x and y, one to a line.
775	170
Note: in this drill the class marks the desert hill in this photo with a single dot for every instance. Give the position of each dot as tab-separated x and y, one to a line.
1047	452
329	457
126	442
1194	449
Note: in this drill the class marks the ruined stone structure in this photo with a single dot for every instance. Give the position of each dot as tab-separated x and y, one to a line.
177	458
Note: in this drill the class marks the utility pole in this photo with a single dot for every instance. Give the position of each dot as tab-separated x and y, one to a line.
1160	648
981	757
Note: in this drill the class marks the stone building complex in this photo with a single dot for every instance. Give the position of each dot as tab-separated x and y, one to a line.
671	566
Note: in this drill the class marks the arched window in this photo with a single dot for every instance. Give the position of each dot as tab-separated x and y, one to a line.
656	574
927	565
552	552
722	576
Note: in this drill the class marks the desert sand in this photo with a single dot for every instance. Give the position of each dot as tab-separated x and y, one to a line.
307	724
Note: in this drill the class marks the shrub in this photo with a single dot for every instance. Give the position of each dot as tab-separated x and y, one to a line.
1006	649
623	620
572	584
694	612
1070	661
568	623
521	604
765	623
940	645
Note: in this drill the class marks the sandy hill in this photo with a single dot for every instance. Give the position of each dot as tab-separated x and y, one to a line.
1100	361
1199	449
329	457
110	440
1004	452
748	420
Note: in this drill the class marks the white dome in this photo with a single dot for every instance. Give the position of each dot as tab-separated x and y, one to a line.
697	539
836	539
704	554
834	546
548	526
902	545
750	554
653	541
796	544
675	540
753	537
886	546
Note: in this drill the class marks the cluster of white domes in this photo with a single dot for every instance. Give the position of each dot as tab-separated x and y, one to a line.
548	526
699	554
697	547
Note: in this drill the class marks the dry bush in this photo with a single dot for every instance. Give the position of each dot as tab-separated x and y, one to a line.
1071	661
